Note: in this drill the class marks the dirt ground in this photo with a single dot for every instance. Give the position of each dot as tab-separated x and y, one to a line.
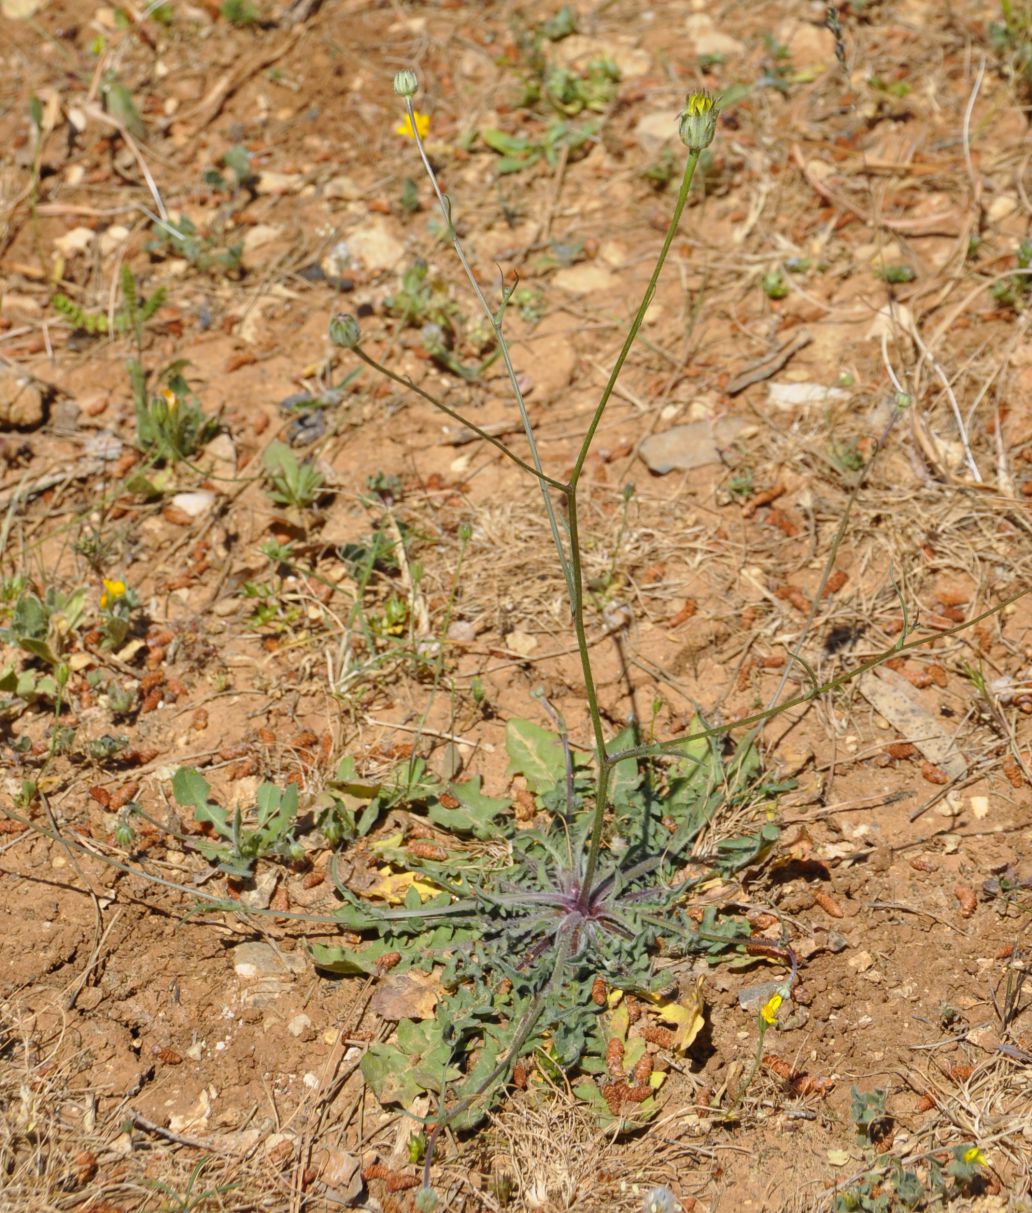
841	308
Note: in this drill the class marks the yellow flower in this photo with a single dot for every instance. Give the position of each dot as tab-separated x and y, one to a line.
974	1154
112	591
170	398
422	126
698	121
769	1010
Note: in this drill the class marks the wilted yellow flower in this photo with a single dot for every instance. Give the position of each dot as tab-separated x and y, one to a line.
170	398
422	126
974	1154
769	1010
113	590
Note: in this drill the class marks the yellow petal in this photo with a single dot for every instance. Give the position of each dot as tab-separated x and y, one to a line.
394	885
769	1010
688	1017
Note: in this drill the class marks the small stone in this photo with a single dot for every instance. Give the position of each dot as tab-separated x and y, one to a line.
656	129
803	395
374	248
521	643
21	400
262	960
583	279
78	240
194	504
342	1172
707	39
343	188
222	452
463	631
278	183
299	1025
112	238
257	238
689	446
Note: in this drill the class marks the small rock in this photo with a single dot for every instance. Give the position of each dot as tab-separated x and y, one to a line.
279	183
21	400
299	1025
343	188
656	129
112	238
268	972
862	961
579	51
707	39
689	446
222	451
463	631
375	248
257	238
194	504
342	1172
583	279
802	395
78	240
521	643
262	960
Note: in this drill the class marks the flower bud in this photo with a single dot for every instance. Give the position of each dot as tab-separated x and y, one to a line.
344	331
406	84
698	121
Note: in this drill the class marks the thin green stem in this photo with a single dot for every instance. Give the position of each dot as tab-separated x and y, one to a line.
455	416
577	592
602	783
632	332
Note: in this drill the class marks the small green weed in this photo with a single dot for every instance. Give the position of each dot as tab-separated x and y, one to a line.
133	312
171	425
774	285
240	13
269	829
895	275
521	152
40	626
1015	290
188	1201
206	252
1011	38
293	483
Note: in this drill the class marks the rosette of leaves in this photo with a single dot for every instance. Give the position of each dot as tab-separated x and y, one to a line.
516	946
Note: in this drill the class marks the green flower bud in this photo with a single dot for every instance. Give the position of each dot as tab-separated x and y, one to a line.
406	84
344	331
698	121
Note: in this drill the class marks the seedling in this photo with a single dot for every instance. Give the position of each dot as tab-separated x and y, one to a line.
1014	290
774	285
242	842
171	425
132	314
867	1109
41	626
520	152
292	483
896	275
204	251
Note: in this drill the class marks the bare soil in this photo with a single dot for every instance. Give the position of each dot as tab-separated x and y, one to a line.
862	213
